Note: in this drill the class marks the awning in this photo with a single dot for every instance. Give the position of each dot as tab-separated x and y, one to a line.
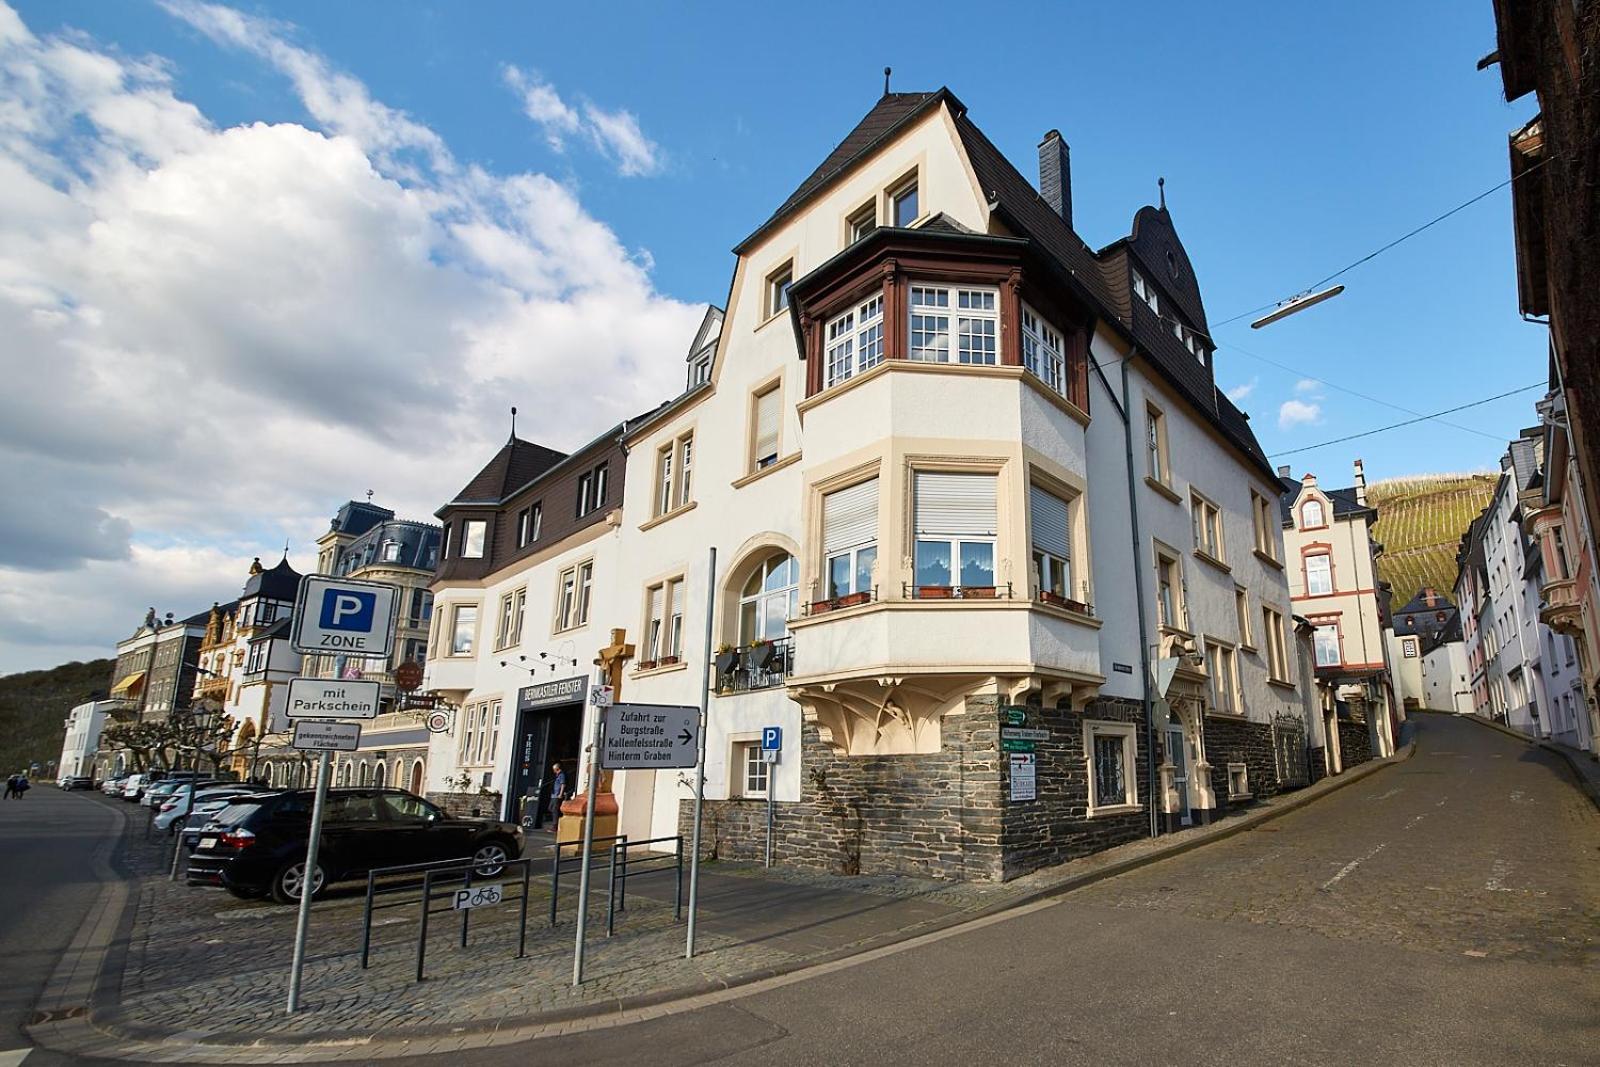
128	684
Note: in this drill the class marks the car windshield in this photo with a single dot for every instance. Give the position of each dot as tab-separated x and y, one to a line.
240	809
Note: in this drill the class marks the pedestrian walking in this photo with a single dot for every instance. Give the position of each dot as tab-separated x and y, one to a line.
23	785
11	787
558	792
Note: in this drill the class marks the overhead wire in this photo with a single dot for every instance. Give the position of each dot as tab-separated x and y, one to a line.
1409	422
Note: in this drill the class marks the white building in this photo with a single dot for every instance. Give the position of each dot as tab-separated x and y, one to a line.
911	452
84	724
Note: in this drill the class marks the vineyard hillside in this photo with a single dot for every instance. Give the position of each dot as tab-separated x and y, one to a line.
1420	523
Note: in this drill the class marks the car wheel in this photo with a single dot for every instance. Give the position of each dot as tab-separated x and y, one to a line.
244	893
288	883
489	858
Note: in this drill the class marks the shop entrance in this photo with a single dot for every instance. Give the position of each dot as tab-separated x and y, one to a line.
549	730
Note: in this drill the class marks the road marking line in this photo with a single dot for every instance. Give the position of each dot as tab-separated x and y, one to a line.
1352	865
12	1057
1415	819
1384	796
1499	869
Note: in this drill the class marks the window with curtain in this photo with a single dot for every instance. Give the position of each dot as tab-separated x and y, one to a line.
1052	543
955	523
850	538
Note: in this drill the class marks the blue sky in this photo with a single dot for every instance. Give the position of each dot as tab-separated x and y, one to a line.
511	174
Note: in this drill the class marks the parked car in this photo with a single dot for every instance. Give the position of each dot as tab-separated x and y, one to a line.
155	794
136	784
257	845
112	787
159	794
77	781
207	802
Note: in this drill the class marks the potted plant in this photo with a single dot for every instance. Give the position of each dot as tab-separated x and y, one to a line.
647	665
667	661
934	592
727	659
758	655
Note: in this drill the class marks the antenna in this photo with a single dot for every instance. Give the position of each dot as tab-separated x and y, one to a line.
886	72
1161	189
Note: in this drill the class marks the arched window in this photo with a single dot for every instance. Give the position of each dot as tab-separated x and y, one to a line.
366	773
416	777
377	774
344	772
398	777
1311	514
769	599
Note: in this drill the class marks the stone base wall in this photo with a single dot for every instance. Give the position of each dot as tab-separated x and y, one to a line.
936	815
1240	741
1355	744
468	805
1319	765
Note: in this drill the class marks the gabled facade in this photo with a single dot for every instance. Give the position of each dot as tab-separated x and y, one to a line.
1412	629
1333	581
910	452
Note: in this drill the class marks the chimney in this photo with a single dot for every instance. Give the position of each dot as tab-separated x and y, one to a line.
1055	174
1283	471
1361	483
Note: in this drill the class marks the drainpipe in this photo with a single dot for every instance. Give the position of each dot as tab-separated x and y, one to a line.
1126	411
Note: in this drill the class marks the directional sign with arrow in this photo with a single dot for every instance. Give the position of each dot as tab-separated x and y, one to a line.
650	737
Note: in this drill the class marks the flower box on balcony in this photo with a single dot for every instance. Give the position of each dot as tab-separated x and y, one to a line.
667	661
935	592
979	592
1047	597
837	603
647	665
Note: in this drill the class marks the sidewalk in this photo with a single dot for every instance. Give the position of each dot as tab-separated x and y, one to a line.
197	975
1585	767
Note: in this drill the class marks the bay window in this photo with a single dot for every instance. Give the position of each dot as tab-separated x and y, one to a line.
476	531
1052	544
1043	350
850	538
955	525
855	341
977	324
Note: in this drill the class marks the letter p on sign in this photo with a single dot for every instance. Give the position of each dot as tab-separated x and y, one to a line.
348	609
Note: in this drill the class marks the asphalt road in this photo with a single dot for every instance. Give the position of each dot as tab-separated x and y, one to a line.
1444	911
47	885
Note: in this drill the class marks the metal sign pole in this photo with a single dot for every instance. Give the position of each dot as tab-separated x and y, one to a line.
588	836
770	767
308	884
700	762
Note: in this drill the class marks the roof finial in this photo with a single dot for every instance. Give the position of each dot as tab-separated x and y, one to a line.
1161	189
886	72
513	422
369	496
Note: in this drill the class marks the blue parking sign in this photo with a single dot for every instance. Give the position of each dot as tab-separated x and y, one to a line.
348	609
771	738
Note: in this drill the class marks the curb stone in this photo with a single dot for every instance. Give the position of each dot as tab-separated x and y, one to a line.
111	1037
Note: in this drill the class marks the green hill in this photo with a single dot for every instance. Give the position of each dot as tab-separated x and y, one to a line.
1420	523
34	705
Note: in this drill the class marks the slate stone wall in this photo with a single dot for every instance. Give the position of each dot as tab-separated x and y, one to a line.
1355	745
468	805
1240	741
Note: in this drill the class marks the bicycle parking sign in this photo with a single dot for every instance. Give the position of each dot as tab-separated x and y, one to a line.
476	896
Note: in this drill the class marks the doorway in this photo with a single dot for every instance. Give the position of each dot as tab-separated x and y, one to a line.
544	736
1178	754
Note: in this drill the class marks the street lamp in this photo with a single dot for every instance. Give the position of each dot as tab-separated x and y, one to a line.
1295	303
205	715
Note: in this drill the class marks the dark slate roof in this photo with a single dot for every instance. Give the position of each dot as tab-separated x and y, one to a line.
891	110
277	629
1417	605
418	541
356	518
1343	500
516	464
1155	244
942	223
1449	632
282	582
203	617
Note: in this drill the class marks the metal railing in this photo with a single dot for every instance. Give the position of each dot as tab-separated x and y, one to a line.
838	603
956	592
762	665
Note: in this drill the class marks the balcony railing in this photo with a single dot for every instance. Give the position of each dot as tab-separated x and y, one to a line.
1083	604
956	592
849	600
759	665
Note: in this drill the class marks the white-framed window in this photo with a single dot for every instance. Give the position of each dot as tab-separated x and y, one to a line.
1241	612
1277	643
258	657
1223	666
472	540
508	633
1145	292
903	205
778	283
1408	648
663	501
1263	515
955	521
529	520
862	222
1319	575
1326	645
976	337
1110	750
1044	352
769	599
444	545
663	629
850	538
1051	526
572	595
1170	610
391	551
1156	463
854	341
766	420
463	629
755	774
480	734
1238	780
1312	514
685	468
592	488
1206	519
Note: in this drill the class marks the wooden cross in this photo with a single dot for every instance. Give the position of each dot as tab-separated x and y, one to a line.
612	659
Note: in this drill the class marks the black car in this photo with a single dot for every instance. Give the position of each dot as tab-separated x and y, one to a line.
257	845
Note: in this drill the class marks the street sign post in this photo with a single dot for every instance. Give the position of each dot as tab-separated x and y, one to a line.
771	747
318	735
598	692
331	698
1023	777
345	617
650	737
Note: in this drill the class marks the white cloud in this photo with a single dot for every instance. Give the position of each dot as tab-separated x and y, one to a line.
1307	385
1243	390
1298	413
215	336
615	134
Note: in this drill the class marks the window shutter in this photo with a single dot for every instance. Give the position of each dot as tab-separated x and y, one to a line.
955	504
767	424
850	517
1050	530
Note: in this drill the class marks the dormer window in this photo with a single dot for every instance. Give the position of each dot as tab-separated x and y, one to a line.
391	551
1142	290
1312	514
473	536
904	206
